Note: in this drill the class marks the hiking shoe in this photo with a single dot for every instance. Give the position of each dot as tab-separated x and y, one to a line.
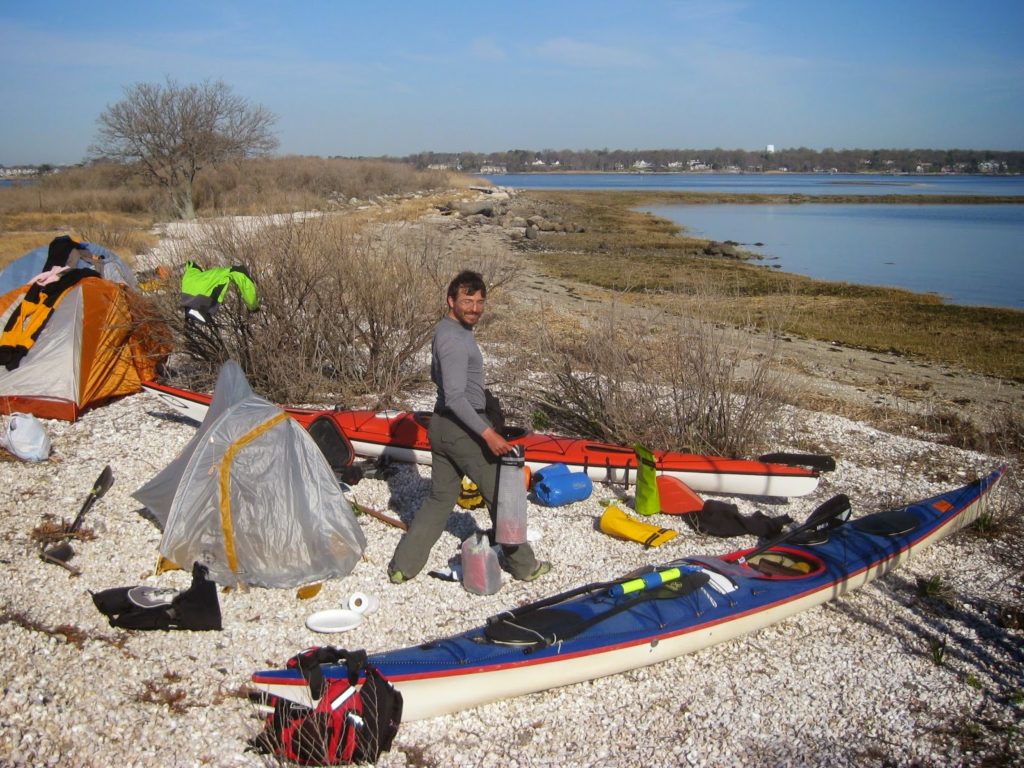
543	566
396	577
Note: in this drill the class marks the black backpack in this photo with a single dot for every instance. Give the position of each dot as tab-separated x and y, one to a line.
350	722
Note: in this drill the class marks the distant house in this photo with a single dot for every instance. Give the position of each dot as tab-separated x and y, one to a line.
493	169
19	170
642	165
538	162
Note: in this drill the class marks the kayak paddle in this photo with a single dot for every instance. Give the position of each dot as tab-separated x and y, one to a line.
833	512
818	461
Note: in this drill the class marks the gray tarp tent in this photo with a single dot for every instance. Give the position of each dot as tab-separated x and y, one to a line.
252	497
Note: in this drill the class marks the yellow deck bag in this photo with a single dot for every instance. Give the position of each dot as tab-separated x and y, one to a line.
615	522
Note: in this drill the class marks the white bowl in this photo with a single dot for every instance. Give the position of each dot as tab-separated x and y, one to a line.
334	620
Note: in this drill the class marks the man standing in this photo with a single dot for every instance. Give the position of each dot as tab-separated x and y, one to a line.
462	440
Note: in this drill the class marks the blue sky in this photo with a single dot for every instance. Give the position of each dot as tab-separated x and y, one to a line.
352	77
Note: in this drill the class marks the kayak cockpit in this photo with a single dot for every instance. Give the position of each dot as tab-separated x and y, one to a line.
776	563
783	564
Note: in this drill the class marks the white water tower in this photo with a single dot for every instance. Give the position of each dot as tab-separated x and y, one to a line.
770	149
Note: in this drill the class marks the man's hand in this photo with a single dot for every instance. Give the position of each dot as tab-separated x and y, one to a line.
499	445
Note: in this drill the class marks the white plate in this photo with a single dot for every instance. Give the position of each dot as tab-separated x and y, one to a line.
334	620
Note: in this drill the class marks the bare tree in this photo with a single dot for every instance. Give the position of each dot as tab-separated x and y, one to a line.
173	131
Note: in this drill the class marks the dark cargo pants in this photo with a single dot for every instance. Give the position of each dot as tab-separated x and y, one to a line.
454	453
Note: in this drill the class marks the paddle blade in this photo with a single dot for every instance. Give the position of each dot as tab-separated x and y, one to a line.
820	462
831	514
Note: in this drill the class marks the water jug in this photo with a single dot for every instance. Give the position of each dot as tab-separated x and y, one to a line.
481	573
510	499
552	470
563	488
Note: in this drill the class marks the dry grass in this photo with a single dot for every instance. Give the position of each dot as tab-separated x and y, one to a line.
298	183
114	207
126	235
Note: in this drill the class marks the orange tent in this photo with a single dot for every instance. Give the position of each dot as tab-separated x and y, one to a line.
98	343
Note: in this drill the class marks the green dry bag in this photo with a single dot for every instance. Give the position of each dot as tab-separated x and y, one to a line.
647	500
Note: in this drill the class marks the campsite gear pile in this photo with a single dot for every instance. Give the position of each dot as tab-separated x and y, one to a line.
349	720
254	498
668	495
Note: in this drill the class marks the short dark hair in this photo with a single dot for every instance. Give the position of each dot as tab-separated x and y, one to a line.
468	280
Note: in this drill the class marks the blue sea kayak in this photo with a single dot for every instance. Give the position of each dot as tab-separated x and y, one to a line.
657	613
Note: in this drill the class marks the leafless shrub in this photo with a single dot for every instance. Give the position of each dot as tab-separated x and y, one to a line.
343	311
673	383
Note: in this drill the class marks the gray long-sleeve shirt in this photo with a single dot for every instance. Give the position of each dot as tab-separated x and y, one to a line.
457	368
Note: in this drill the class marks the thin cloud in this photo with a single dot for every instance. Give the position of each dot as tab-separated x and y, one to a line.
486	48
575	53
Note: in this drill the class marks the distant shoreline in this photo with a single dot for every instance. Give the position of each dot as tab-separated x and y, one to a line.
748	173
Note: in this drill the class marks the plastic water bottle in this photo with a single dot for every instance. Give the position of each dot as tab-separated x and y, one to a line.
481	573
510	499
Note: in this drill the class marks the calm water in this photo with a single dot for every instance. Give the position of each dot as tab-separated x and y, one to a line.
968	254
771	183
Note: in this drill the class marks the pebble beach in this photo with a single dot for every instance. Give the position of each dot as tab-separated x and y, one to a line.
881	677
856	682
